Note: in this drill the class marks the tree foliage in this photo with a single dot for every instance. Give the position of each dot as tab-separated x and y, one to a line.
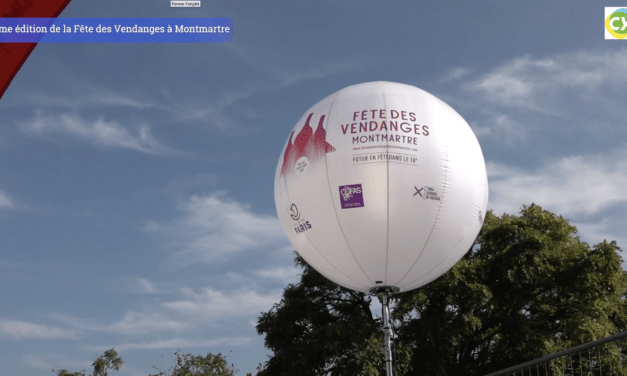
65	372
528	287
320	328
109	360
102	364
199	365
184	365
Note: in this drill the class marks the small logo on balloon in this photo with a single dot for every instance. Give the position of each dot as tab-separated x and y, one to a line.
302	165
300	224
615	23
295	214
427	193
351	196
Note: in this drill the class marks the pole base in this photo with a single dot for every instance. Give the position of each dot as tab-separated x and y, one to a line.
384	293
383	289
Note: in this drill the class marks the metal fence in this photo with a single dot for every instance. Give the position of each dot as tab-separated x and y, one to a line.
606	356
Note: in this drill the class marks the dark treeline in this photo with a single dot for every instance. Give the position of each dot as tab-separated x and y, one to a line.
528	287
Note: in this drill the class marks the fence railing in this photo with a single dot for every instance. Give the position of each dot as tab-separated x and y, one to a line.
601	357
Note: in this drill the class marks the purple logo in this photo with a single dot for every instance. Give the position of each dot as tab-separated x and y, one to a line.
351	196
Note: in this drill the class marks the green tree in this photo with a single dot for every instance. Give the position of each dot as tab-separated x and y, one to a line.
65	372
527	287
320	328
108	360
184	365
198	365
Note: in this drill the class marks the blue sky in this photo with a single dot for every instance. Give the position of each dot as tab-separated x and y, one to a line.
136	180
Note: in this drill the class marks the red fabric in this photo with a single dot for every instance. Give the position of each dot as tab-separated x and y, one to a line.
13	55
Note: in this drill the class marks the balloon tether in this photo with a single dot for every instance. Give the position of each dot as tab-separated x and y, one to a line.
384	293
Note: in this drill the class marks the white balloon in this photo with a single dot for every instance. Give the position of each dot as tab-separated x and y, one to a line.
381	185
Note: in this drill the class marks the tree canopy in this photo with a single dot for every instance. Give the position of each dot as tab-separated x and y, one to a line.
102	364
527	287
184	365
321	328
199	365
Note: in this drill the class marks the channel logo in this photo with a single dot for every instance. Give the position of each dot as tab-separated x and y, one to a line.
615	23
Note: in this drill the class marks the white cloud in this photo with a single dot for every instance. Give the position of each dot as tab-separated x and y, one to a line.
500	126
103	97
139	285
582	184
146	322
271	276
508	83
191	311
149	320
607	228
455	74
146	286
284	274
182	182
5	201
86	95
100	132
54	361
22	330
283	74
210	304
207	106
567	79
578	93
275	77
213	227
78	323
174	343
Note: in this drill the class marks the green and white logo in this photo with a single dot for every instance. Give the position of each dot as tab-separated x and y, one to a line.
615	23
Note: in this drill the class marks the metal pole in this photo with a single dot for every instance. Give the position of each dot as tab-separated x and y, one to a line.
620	354
599	357
387	331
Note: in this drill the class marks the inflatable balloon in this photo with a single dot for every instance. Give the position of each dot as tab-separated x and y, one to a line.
381	185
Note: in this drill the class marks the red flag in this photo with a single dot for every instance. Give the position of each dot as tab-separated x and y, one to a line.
13	55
